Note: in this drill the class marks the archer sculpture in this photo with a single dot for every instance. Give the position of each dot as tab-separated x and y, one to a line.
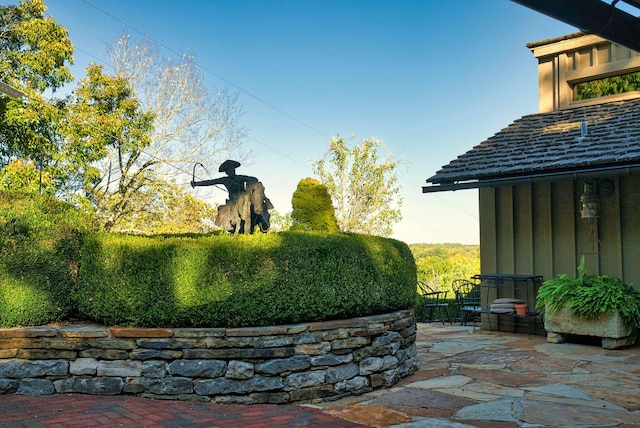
247	206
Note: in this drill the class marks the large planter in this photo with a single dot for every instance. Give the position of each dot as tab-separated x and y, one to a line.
611	328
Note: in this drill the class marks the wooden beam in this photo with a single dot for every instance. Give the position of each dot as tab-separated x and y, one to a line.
592	16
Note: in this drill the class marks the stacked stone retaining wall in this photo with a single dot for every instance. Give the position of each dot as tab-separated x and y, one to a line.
280	364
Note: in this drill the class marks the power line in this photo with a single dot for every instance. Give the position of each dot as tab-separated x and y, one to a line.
280	153
116	138
100	60
430	228
441	199
218	76
257	98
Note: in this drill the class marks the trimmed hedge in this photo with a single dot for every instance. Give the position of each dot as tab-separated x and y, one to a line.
232	281
53	266
40	240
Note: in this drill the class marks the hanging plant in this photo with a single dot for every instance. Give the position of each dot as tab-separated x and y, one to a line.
589	296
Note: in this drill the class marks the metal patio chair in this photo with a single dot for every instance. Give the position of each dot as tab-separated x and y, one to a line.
468	303
434	302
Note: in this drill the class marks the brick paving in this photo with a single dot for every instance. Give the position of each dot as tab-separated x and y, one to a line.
72	410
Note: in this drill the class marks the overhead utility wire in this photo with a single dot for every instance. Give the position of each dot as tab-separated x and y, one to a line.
193	172
251	138
102	61
430	228
241	89
280	153
441	198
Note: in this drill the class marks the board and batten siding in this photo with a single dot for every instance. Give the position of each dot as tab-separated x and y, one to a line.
536	229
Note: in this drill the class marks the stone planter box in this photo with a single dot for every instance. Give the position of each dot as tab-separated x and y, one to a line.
609	327
279	364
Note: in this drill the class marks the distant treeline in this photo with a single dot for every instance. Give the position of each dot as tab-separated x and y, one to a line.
439	265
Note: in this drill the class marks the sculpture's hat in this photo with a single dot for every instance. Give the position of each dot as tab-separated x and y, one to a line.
228	165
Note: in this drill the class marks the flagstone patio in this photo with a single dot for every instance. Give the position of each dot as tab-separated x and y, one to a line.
485	378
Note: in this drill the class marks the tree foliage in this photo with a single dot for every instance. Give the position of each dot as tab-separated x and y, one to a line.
439	265
279	222
167	209
23	175
363	186
312	208
35	54
187	125
116	143
108	126
191	124
34	50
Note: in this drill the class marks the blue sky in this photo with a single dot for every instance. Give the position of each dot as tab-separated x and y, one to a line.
431	79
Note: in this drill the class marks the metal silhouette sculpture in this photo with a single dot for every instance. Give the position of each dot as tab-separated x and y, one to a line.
247	206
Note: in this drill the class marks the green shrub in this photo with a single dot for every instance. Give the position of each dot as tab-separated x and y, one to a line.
54	266
590	296
227	281
312	208
40	240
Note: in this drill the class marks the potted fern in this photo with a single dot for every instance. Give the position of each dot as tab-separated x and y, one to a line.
590	305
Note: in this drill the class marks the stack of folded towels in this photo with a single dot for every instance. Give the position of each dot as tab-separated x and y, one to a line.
504	306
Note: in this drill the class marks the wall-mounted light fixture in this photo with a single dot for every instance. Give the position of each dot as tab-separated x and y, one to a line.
589	202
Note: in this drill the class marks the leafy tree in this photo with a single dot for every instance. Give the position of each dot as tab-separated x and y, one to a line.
312	208
441	264
363	187
34	50
191	124
23	175
111	139
167	209
279	222
35	54
107	126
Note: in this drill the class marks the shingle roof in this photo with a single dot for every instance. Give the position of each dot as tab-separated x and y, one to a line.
551	142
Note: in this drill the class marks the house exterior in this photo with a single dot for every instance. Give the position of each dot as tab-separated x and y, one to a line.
563	183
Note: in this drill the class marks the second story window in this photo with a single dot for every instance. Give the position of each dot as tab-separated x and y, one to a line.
607	86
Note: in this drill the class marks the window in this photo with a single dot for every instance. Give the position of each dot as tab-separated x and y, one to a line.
607	86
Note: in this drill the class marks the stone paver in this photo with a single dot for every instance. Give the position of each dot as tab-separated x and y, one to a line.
503	380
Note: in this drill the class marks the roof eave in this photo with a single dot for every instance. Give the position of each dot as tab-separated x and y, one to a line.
535	178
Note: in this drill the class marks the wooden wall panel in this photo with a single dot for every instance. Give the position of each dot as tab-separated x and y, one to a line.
542	230
537	229
563	214
610	251
505	229
629	189
488	238
523	229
